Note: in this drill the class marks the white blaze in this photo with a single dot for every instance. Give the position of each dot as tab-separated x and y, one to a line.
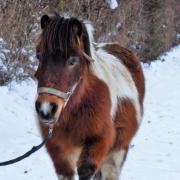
45	107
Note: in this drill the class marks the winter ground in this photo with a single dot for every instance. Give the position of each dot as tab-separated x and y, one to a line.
154	153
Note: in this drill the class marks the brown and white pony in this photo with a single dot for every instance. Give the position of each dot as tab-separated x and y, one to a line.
93	123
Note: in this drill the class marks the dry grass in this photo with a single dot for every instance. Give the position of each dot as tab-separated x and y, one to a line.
148	27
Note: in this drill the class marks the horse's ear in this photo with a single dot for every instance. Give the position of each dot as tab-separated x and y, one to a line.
77	27
45	19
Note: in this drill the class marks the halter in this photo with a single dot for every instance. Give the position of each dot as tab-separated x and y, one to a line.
58	93
64	95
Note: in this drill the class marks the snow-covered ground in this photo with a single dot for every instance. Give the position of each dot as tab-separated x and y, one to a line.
154	153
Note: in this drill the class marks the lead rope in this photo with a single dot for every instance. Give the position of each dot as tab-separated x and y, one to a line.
49	135
28	153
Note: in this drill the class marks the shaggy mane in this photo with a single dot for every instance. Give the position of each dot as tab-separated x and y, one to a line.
59	36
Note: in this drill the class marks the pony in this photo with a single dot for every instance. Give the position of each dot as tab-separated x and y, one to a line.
92	94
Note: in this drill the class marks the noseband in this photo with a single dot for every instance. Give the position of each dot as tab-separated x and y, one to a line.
58	93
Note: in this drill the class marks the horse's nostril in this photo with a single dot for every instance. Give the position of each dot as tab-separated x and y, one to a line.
45	116
38	106
54	107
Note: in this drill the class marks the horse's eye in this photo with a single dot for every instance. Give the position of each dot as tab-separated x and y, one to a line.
72	61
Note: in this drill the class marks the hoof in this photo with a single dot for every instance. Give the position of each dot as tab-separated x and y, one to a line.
86	171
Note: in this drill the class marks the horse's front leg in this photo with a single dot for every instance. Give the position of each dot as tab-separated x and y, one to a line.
93	154
62	166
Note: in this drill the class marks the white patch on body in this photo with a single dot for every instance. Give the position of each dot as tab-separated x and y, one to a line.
112	166
116	76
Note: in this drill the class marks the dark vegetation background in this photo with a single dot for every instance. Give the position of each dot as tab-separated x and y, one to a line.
149	27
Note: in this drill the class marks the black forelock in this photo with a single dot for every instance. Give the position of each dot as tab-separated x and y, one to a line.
59	36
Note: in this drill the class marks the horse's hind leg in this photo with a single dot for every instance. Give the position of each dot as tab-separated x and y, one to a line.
112	166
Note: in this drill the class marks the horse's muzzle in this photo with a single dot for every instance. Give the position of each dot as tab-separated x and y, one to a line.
48	108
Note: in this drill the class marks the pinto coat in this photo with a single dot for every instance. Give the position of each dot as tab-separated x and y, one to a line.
92	133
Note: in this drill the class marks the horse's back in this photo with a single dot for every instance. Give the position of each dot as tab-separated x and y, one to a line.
132	63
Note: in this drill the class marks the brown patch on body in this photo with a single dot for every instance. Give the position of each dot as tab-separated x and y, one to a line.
125	123
86	126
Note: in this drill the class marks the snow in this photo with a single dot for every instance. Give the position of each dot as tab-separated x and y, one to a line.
154	152
113	4
19	132
178	36
2	55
